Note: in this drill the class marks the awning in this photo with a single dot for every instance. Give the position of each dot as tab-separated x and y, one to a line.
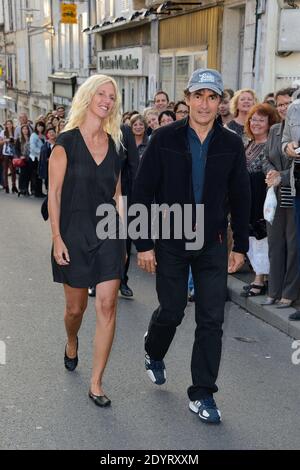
63	77
138	21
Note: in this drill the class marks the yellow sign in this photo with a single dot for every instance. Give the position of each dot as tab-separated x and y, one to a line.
68	13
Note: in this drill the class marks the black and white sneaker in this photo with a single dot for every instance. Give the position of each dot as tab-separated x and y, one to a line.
155	370
92	291
206	409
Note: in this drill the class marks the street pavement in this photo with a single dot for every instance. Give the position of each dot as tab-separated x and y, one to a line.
43	406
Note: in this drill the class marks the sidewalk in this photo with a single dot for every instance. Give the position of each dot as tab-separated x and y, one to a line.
270	314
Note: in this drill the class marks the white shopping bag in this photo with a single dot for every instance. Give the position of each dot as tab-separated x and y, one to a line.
270	205
258	255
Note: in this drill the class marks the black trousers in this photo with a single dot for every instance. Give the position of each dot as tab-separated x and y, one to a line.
209	268
124	279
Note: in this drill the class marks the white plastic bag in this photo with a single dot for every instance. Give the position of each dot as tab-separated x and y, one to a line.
258	255
270	205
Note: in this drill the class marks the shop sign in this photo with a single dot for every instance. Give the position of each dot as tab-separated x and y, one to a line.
68	13
121	62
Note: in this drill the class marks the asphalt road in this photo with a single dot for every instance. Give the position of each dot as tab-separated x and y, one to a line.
42	406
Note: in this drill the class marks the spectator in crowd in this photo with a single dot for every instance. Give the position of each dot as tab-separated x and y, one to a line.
171	105
8	153
54	122
23	151
284	279
60	126
270	99
60	112
166	117
181	110
41	117
37	140
224	109
126	118
45	153
229	92
161	101
23	119
151	117
240	106
138	126
291	143
261	118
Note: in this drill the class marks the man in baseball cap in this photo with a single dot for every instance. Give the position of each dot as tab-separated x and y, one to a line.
190	162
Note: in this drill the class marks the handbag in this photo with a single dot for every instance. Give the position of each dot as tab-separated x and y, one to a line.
44	209
18	162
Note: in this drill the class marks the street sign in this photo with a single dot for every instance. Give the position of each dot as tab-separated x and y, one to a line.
68	13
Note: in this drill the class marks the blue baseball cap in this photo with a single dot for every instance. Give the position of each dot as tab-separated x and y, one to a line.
206	78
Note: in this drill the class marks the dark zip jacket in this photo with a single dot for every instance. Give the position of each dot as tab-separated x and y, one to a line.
165	176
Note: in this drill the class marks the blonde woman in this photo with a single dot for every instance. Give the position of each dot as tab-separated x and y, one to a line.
240	105
151	117
84	173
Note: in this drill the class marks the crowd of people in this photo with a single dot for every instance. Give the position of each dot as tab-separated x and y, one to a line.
238	147
25	148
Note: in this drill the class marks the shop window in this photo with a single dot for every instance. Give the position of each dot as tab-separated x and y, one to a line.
182	73
200	60
176	69
10	71
166	75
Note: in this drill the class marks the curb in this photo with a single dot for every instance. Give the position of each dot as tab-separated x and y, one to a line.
270	314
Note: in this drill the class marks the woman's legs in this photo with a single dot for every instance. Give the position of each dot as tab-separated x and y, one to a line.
5	172
106	306
13	173
76	303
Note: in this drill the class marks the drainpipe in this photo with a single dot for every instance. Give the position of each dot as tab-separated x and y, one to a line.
52	36
257	41
29	59
89	35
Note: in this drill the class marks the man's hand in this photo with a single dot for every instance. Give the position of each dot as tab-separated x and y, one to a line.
290	150
235	262
146	260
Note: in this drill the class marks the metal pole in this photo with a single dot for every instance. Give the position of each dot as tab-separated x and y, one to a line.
29	58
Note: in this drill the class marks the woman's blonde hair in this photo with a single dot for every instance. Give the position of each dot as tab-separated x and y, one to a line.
235	100
82	100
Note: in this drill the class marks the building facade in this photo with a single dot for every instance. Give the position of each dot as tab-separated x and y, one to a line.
3	103
123	41
260	44
145	50
74	55
146	45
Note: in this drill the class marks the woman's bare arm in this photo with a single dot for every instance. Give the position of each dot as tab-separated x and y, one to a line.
119	199
57	171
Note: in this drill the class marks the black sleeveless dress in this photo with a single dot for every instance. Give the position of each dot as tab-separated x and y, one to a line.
86	186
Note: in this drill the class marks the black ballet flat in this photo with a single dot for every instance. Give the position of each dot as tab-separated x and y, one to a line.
71	363
100	400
